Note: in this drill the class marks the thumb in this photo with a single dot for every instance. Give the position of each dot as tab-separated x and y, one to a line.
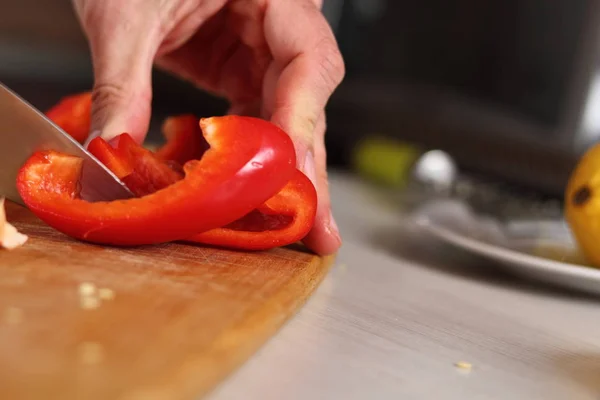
122	46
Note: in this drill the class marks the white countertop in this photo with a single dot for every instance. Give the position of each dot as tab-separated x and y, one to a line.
399	310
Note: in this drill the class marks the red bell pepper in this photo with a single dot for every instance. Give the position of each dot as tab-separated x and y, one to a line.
137	167
249	161
283	219
184	140
115	159
73	114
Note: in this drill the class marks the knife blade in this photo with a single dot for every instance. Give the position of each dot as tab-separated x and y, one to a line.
24	130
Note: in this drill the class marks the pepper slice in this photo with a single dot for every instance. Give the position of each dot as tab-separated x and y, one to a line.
184	140
111	157
248	161
283	219
137	167
73	115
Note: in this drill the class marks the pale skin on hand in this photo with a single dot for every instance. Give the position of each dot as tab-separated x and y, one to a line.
273	59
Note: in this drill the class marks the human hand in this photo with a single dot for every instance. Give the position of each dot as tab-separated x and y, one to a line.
273	59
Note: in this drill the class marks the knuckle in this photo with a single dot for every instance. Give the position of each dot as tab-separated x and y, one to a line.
305	126
331	62
321	128
298	123
105	95
310	122
302	130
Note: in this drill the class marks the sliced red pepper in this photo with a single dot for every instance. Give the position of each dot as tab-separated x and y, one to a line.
283	219
249	161
73	115
184	140
137	167
110	156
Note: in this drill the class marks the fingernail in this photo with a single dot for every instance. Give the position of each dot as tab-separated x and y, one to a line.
91	137
309	167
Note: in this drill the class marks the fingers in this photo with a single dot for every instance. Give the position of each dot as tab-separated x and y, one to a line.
123	38
225	55
308	67
324	238
305	51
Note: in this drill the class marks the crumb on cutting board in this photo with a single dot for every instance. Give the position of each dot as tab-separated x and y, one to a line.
89	302
13	316
464	366
91	297
10	237
90	353
106	294
87	289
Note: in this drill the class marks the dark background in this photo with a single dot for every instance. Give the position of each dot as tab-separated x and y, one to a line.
492	82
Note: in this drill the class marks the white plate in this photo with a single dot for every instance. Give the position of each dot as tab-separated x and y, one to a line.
540	249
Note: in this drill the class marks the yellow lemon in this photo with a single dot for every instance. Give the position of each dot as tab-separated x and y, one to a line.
582	204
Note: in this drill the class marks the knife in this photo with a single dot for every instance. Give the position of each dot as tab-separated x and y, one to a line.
24	130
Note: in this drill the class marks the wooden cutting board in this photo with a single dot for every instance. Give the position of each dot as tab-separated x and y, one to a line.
85	322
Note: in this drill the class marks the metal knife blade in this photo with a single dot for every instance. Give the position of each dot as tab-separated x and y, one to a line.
24	130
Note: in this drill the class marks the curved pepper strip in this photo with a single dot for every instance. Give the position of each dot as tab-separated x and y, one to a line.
135	166
249	160
283	219
73	115
112	157
184	140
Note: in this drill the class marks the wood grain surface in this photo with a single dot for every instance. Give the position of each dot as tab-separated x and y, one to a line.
79	321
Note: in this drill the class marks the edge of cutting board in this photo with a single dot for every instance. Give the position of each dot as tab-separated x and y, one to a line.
233	349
